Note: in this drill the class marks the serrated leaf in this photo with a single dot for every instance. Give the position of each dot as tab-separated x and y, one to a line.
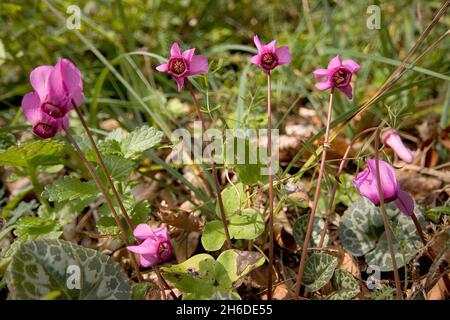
33	153
234	199
33	227
213	235
40	267
140	140
299	231
319	269
70	188
248	224
118	168
345	284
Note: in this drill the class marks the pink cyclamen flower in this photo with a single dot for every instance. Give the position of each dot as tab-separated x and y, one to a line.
392	139
156	246
57	86
366	184
182	65
339	74
269	57
44	125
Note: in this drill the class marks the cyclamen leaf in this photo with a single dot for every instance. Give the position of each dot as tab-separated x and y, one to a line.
319	269
70	188
213	235
33	153
40	267
345	285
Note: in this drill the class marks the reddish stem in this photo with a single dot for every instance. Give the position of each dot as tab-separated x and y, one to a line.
269	149
316	199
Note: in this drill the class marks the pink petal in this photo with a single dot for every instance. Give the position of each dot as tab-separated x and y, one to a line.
31	105
163	67
72	80
175	50
347	90
180	83
143	231
392	139
389	183
148	260
335	63
321	73
271	46
188	54
39	78
351	65
141	249
283	54
259	45
198	65
161	233
365	183
63	123
324	85
405	203
56	90
256	60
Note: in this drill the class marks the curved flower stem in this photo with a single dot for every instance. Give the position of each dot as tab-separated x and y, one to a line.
213	169
104	169
269	149
387	229
316	199
164	283
419	229
336	182
94	176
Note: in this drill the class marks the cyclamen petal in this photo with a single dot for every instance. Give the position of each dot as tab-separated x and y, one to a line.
39	79
198	65
392	139
339	74
182	65
156	246
269	56
30	106
405	203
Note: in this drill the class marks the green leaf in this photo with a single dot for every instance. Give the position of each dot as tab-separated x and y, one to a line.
140	140
249	224
202	277
41	267
138	291
299	231
7	140
249	172
346	286
319	269
239	263
361	232
33	227
213	235
234	199
32	154
118	167
70	188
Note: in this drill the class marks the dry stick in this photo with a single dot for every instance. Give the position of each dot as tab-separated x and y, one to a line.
213	169
108	201
385	218
316	199
269	149
104	169
336	182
